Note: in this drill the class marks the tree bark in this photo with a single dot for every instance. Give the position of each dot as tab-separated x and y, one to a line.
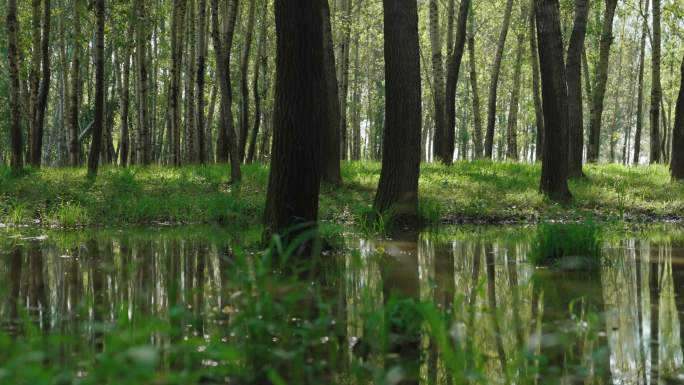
144	138
640	91
438	86
656	88
299	114
124	145
534	60
96	144
177	36
601	79
493	86
343	73
512	145
44	89
74	103
398	186
201	73
227	143
244	79
554	176
453	68
677	156
261	59
331	138
477	116
17	159
191	72
574	74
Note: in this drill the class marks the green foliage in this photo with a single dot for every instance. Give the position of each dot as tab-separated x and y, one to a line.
570	245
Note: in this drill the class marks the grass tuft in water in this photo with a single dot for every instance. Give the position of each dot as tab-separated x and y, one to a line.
573	246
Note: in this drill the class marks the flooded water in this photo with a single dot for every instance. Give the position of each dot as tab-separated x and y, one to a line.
457	305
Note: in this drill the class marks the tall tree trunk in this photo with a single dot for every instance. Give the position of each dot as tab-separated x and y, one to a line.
640	91
331	139
554	177
512	147
438	86
41	104
677	157
299	114
34	76
190	62
261	58
177	36
453	68
574	73
144	137
124	144
244	79
536	96
17	159
398	186
477	116
656	88
601	79
494	85
343	73
356	105
74	102
228	141
98	120
201	73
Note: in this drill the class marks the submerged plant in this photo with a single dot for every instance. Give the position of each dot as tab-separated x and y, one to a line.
575	245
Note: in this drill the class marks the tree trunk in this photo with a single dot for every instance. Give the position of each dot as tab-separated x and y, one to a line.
244	79
227	141
299	114
656	89
201	73
144	138
554	177
439	140
261	59
74	103
177	36
534	60
601	79
124	144
574	73
356	105
41	103
677	156
398	186
331	139
453	68
190	62
494	85
477	117
640	91
512	147
343	73
17	159
98	120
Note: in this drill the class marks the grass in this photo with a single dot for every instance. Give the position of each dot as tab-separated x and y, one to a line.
467	192
575	244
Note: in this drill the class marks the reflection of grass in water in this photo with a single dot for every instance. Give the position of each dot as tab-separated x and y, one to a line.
577	245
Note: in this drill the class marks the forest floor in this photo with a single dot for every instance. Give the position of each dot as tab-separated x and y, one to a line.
479	192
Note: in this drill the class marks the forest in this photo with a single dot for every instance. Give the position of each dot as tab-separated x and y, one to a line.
341	192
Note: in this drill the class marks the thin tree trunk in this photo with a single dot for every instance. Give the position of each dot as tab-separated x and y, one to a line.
677	156
300	112
656	88
343	73
124	144
228	144
201	73
453	68
575	104
494	85
601	80
356	105
17	159
536	96
190	115
98	120
331	138
438	88
177	38
244	79
554	177
640	91
477	116
512	147
398	186
41	104
144	139
261	56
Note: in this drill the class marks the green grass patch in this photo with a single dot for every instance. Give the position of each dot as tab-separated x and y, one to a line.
573	245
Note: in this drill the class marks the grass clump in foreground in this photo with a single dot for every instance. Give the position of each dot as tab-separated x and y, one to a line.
466	192
570	246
